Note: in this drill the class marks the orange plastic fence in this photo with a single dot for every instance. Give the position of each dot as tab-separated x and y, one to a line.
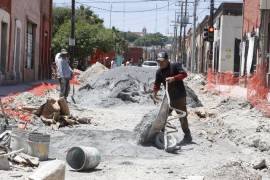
40	89
257	90
37	90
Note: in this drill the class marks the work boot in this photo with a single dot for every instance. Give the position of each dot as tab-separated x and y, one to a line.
186	140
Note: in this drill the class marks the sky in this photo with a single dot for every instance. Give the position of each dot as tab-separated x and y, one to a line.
134	15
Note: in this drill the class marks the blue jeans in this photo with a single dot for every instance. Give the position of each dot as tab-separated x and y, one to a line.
64	87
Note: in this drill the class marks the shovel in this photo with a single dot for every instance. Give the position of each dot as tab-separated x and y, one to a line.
73	92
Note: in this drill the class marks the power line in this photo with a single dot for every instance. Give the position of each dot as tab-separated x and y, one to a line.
119	2
117	11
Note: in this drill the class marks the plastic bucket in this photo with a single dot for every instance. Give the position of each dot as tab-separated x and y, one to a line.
83	158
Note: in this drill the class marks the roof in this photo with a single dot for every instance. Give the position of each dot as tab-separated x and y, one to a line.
227	8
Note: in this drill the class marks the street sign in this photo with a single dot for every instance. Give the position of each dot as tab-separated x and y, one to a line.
71	42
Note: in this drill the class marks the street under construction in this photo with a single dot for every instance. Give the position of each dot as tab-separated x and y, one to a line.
190	102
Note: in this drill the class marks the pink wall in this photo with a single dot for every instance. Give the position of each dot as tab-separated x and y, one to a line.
25	11
251	15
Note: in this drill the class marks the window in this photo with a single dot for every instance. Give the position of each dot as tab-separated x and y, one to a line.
3	50
30	45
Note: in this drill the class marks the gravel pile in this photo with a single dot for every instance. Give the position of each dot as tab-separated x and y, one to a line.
92	72
121	85
118	85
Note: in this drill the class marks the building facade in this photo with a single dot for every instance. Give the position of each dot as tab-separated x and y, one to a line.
228	33
29	41
202	48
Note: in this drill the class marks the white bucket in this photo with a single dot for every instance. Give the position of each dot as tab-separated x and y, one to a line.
83	158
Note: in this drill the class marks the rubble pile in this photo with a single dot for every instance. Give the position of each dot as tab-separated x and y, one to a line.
123	84
92	72
56	113
129	84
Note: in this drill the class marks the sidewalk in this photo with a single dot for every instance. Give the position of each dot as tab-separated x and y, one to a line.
18	88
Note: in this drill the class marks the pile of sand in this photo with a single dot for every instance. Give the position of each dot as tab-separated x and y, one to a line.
92	72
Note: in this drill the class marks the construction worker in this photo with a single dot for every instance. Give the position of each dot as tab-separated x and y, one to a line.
64	72
174	74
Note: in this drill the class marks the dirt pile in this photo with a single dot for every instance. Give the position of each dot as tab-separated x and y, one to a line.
118	85
56	113
123	84
92	72
143	128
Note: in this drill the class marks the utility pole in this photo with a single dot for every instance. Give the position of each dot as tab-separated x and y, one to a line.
111	16
194	36
181	27
184	36
168	19
72	34
176	36
211	25
156	21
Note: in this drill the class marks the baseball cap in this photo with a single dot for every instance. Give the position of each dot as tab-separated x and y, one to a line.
64	51
162	56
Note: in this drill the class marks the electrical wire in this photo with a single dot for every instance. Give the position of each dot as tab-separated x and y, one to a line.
118	2
118	11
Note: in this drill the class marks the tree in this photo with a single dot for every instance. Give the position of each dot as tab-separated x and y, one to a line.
155	39
88	37
129	36
61	15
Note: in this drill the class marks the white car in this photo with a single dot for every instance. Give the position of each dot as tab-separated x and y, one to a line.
150	64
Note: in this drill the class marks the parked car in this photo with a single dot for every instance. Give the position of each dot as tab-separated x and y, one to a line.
150	64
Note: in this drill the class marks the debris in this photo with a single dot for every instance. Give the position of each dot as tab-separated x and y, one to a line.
92	72
56	113
64	109
25	160
261	165
196	178
201	112
48	109
84	120
53	170
16	175
128	84
4	163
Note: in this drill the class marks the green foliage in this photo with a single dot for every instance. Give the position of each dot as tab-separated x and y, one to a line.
155	39
88	37
129	36
62	15
89	33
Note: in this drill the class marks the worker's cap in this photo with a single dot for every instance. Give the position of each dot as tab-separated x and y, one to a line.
162	56
64	51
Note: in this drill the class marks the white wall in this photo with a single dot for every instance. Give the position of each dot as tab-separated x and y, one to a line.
230	28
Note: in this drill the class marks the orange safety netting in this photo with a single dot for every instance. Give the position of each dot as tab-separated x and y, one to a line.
256	87
75	79
41	89
16	110
38	90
